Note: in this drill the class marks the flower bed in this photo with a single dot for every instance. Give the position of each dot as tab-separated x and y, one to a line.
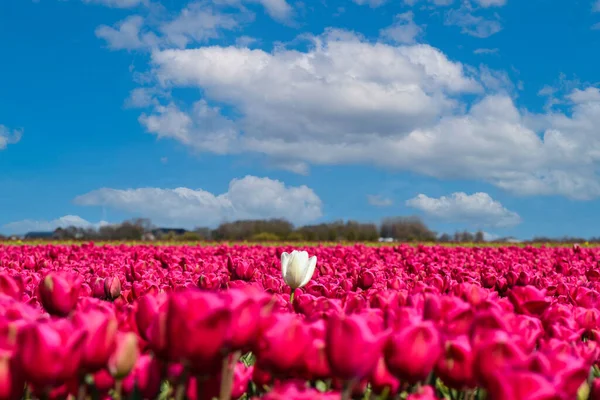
502	323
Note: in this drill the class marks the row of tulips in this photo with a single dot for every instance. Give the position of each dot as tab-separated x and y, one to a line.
142	322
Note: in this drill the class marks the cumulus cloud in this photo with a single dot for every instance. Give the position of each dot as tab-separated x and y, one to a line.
403	30
28	225
9	136
379	201
118	3
349	101
127	34
478	208
279	10
197	23
247	198
342	90
472	24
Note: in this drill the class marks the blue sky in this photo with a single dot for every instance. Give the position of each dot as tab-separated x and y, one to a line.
474	114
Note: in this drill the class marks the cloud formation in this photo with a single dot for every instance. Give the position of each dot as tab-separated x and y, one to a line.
28	225
404	29
9	136
346	100
478	209
247	198
379	201
118	3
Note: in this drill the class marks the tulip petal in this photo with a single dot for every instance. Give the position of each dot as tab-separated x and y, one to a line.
285	260
312	263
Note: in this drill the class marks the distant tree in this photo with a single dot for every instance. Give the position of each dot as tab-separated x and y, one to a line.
204	233
189	237
406	229
265	237
246	229
444	238
466	237
479	237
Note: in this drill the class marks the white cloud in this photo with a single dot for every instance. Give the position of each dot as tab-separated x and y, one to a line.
9	136
490	3
478	209
127	34
487	236
471	24
349	101
434	2
379	201
486	51
279	10
596	26
342	89
197	23
247	198
403	30
370	3
596	6
28	225
118	3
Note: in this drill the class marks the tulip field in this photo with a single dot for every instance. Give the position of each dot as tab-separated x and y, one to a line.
339	322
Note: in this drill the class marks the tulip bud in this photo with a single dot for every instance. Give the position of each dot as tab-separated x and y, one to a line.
411	353
58	293
282	346
100	341
50	352
352	332
204	319
112	287
11	378
455	366
297	269
125	356
9	286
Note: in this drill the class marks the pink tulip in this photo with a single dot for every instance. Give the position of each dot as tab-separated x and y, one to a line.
204	320
50	352
412	353
352	332
59	293
112	287
125	355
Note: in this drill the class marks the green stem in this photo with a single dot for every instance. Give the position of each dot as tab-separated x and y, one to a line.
227	375
82	392
118	390
182	385
347	390
292	296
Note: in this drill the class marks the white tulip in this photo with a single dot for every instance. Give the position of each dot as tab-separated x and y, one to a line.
297	269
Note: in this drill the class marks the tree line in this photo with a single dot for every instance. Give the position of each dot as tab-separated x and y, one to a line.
404	229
